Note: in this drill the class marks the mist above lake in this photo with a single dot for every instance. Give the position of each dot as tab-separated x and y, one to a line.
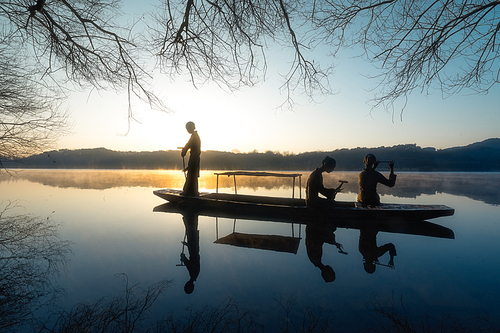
477	186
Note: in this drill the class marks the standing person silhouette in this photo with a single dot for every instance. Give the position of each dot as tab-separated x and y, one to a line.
193	168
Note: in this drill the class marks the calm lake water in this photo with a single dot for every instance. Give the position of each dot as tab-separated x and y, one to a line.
108	217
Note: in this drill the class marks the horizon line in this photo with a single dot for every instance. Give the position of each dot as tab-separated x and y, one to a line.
237	151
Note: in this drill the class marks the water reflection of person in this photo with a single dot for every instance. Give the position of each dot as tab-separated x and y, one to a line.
316	235
371	252
193	168
192	241
369	178
315	186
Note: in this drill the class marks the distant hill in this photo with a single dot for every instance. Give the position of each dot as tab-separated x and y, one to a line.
479	156
489	143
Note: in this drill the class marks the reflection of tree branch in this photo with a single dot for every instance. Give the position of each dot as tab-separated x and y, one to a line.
392	316
227	316
118	314
303	319
32	254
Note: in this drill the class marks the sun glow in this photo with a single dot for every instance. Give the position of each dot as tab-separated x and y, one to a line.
249	120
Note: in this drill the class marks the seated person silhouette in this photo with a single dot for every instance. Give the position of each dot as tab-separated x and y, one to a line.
315	186
371	252
369	178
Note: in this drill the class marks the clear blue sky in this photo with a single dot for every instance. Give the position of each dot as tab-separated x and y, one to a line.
249	119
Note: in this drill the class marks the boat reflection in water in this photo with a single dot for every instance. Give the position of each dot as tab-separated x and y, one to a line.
318	232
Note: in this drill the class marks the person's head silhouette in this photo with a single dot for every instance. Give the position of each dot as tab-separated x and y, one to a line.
369	160
328	274
369	266
189	287
328	164
190	127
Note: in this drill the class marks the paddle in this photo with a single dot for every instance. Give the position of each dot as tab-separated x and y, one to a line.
182	253
378	162
183	163
390	265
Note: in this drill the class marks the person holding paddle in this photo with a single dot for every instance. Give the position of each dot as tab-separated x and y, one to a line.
193	168
369	178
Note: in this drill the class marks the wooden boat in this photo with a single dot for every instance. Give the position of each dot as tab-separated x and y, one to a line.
295	208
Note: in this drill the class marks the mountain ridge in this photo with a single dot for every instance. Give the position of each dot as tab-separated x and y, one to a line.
478	156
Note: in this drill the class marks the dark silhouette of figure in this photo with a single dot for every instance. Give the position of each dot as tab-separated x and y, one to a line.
193	168
371	252
369	178
192	241
315	186
316	235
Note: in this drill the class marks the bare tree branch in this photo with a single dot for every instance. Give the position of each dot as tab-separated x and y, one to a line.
418	45
31	118
226	42
67	44
449	45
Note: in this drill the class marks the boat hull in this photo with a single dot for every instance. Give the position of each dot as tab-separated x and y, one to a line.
295	210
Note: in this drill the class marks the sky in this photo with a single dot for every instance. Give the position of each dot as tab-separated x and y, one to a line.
250	119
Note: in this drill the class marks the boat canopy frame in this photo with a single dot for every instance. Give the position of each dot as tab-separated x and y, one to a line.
261	174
